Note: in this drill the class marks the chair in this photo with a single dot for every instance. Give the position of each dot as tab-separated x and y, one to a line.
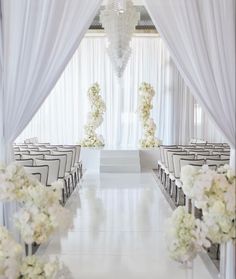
212	167
70	170
17	156
200	152
176	162
76	162
62	158
40	152
53	172
221	153
22	152
25	162
37	176
224	157
171	176
43	170
197	162
217	162
194	150
201	156
32	156
165	167
62	171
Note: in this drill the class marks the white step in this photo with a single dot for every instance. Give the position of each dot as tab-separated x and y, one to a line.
120	161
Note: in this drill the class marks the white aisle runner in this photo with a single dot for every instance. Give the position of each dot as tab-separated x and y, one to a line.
119	232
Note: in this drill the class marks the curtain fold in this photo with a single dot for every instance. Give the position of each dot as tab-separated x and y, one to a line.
201	38
200	35
61	118
38	40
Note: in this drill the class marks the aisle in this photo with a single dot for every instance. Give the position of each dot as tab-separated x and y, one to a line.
118	232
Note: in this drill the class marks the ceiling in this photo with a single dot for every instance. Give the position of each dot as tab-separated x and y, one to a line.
145	23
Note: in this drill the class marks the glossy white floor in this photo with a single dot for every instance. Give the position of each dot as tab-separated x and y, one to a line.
119	232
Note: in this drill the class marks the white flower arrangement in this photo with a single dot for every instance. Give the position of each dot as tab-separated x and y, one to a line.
33	267
39	217
14	266
186	236
10	255
14	182
95	118
214	193
41	213
146	94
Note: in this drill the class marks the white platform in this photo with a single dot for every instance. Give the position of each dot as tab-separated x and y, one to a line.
113	159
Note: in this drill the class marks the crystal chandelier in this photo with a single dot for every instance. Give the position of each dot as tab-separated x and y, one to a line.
119	20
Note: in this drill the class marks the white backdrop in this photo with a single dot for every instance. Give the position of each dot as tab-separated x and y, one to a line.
62	116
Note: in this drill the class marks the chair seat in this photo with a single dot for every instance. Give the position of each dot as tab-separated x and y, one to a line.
166	171
178	183
172	177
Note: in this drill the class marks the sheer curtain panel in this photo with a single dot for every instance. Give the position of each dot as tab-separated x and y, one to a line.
200	35
38	40
61	118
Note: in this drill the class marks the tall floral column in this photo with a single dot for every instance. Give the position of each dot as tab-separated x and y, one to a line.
146	94
95	118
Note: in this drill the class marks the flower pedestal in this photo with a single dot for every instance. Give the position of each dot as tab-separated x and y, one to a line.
227	260
90	157
149	158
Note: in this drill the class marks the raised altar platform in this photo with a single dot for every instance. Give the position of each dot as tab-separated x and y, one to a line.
119	160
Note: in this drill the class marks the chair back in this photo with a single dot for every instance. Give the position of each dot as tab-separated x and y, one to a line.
69	154
170	158
201	156
63	159
217	162
17	156
176	162
32	156
53	171
43	170
25	162
185	162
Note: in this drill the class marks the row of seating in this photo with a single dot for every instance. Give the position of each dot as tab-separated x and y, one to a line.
174	157
51	163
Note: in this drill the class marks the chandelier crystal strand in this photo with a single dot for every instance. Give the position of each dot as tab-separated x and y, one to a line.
119	20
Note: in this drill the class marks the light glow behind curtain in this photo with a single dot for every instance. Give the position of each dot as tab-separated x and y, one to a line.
39	38
62	116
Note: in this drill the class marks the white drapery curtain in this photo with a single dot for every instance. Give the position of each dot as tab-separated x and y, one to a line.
63	114
38	40
201	38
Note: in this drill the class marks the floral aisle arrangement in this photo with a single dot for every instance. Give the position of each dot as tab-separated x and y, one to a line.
14	266
40	212
95	118
146	94
38	218
186	236
214	193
